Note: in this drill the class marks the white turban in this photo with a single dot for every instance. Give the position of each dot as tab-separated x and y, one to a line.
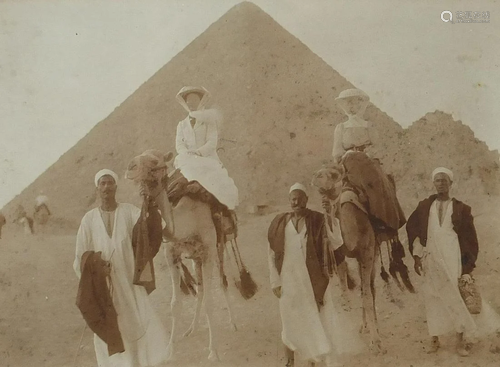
442	170
298	186
105	172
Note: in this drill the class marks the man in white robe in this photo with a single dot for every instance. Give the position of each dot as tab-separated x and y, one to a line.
108	229
443	242
300	265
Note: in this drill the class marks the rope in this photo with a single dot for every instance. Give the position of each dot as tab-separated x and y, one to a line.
79	345
237	255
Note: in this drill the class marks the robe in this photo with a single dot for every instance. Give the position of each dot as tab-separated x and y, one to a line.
204	167
143	335
442	266
313	333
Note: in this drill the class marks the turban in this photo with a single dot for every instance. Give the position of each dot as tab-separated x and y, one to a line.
105	172
442	170
298	186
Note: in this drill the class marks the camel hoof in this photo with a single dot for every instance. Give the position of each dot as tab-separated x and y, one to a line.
364	330
213	356
377	349
188	332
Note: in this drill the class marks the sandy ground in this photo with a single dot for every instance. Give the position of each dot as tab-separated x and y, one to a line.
41	326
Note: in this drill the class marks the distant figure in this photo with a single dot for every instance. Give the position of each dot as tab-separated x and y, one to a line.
2	223
197	159
443	241
24	220
41	212
300	265
127	330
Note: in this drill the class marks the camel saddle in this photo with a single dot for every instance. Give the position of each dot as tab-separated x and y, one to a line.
225	220
374	192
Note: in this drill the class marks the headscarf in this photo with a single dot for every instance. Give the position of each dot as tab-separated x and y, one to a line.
105	172
298	186
442	170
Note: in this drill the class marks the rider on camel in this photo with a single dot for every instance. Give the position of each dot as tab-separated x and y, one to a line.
199	171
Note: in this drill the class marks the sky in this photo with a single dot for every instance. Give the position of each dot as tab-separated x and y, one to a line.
66	65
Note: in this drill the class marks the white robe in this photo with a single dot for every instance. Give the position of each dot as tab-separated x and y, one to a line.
311	333
442	266
140	327
206	168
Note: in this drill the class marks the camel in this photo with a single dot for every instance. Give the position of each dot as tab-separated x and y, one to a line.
41	215
192	235
361	242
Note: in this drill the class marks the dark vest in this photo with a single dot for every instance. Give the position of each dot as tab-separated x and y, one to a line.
316	258
463	225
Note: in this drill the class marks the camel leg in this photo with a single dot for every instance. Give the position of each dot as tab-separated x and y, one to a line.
207	268
199	298
368	299
175	303
364	326
224	285
230	310
358	232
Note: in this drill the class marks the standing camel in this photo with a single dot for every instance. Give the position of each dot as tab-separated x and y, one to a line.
359	240
192	236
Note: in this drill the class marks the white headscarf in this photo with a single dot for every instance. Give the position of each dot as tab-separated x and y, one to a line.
298	186
442	170
102	173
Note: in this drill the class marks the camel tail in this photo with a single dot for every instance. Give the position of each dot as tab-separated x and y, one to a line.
187	281
398	265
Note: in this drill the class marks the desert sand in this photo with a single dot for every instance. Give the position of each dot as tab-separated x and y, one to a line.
280	114
41	326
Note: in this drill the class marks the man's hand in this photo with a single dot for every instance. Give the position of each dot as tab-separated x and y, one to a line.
106	265
277	292
106	268
325	203
418	265
467	278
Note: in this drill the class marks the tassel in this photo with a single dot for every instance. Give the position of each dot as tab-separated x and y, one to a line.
246	285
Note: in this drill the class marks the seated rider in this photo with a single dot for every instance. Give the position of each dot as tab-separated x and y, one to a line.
363	174
201	171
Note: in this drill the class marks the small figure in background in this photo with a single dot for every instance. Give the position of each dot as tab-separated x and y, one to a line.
24	220
41	212
2	223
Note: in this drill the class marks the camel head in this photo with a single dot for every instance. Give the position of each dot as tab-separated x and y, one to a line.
152	165
329	180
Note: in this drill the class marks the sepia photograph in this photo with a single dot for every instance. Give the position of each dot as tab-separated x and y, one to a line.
228	183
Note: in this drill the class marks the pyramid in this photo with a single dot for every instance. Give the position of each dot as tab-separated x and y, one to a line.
437	139
278	101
